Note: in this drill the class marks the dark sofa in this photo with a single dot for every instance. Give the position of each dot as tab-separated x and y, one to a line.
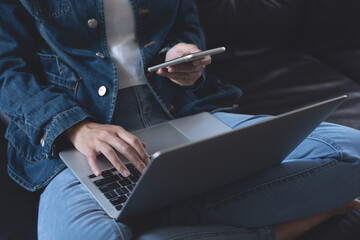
287	53
283	54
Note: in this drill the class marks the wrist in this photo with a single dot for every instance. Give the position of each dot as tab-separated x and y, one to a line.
74	130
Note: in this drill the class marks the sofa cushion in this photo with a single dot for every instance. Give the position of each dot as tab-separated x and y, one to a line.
249	27
17	205
280	81
331	25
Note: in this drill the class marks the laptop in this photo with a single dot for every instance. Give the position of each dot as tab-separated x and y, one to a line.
195	154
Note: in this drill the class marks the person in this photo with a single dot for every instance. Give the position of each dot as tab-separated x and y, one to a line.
74	73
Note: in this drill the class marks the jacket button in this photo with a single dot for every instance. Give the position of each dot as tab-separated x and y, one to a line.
42	142
102	91
92	23
100	55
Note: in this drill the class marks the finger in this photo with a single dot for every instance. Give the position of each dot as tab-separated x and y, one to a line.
162	71
188	49
129	152
189	68
178	75
203	61
196	65
133	150
134	142
182	79
111	155
194	49
124	148
181	75
92	160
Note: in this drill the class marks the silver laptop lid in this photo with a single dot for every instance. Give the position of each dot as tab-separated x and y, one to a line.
194	168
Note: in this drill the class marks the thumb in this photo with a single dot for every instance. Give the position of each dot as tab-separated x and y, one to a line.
194	49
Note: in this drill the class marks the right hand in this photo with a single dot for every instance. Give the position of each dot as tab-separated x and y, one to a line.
92	139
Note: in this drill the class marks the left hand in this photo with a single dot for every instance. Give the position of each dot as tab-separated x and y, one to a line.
185	74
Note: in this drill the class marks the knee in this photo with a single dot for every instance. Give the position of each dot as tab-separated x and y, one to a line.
343	139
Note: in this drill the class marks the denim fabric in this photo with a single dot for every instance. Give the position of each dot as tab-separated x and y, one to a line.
52	65
137	108
321	174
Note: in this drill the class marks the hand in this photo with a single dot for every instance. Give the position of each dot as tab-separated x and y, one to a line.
92	139
185	74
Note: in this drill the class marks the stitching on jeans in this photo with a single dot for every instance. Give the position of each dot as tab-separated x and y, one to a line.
329	143
118	229
264	186
66	9
20	153
143	118
61	85
286	179
206	235
23	181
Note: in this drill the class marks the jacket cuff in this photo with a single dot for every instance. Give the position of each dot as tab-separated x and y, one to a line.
58	125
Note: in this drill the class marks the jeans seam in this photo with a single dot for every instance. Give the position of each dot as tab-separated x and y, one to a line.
329	143
116	226
206	235
263	187
143	118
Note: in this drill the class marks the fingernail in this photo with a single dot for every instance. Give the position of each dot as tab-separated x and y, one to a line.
147	160
125	173
143	170
97	172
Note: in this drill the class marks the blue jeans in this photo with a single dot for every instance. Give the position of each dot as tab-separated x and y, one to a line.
323	173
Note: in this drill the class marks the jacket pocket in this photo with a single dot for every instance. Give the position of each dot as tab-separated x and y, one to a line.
19	141
51	8
58	73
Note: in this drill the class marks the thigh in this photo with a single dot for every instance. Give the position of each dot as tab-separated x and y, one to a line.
68	211
321	174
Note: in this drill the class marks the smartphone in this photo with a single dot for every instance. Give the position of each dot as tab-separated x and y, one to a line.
188	58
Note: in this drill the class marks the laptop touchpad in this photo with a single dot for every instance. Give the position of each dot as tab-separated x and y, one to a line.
161	137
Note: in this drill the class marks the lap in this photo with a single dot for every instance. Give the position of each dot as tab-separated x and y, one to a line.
309	181
322	173
68	211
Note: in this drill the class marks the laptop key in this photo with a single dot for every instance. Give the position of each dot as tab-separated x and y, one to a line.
111	194
121	176
92	176
107	180
109	187
118	200
120	192
113	170
124	182
134	171
119	207
134	178
129	166
125	190
106	173
130	187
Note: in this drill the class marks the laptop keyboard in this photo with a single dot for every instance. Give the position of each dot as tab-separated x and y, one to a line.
114	186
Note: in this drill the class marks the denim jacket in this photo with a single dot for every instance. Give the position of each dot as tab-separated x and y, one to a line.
54	59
